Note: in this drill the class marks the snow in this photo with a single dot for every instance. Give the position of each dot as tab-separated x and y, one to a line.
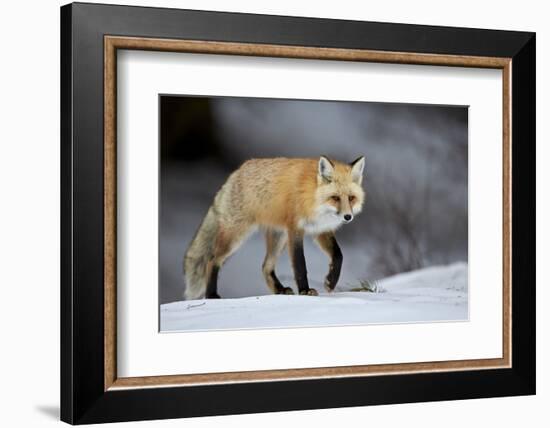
432	294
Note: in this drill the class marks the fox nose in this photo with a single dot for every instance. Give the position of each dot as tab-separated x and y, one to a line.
348	217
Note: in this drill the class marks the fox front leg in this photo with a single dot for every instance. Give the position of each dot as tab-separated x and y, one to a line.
275	243
327	242
296	251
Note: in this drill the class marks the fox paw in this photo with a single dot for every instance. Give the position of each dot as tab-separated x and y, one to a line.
213	296
329	286
309	292
287	290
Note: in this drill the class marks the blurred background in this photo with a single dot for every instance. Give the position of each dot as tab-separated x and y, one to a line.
416	181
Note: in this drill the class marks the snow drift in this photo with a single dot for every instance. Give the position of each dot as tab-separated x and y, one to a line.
427	295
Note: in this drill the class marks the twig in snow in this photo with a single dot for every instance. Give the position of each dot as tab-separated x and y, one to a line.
196	306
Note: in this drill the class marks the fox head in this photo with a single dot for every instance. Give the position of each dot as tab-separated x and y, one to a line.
339	188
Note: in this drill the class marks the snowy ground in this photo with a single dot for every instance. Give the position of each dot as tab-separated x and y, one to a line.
433	294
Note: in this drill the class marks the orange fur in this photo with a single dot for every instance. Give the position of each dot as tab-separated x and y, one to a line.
280	192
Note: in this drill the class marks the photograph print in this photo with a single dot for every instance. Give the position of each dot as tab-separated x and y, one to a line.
278	213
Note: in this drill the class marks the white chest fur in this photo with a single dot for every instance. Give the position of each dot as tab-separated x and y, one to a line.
325	220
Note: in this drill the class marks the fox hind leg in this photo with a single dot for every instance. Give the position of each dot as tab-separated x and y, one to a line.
212	270
227	242
275	243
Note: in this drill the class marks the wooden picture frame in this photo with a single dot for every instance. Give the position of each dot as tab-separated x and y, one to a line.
91	390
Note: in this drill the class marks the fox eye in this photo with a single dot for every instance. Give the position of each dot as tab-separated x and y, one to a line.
335	198
352	198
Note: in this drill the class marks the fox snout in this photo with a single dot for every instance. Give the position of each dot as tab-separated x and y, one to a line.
345	210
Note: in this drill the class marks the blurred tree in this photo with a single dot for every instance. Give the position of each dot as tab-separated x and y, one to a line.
187	129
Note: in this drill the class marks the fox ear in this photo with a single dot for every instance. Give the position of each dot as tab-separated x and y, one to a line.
357	167
326	169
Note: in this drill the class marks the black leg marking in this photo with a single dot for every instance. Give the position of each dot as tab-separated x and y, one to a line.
279	287
299	265
212	286
335	265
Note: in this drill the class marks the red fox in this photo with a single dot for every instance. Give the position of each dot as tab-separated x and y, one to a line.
287	199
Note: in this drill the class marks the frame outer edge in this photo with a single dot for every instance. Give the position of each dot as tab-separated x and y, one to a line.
82	400
66	210
298	30
524	215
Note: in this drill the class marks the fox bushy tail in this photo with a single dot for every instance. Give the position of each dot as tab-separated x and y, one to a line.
199	253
